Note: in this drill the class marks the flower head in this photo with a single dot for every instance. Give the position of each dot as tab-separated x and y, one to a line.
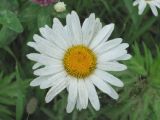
153	4
60	7
44	2
78	58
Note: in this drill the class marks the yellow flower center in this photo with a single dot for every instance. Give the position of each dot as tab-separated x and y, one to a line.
79	61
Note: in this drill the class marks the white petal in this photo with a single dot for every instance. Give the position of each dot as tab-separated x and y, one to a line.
78	106
48	70
107	45
111	55
33	45
56	89
39	80
36	65
111	66
92	94
88	29
60	30
102	35
104	87
43	59
122	46
69	37
83	94
109	78
76	27
52	80
141	7
98	27
73	93
124	57
52	36
136	2
157	3
68	28
154	9
47	47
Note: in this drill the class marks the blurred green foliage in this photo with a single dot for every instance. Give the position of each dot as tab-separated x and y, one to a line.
139	99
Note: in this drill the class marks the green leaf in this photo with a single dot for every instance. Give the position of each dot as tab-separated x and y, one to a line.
148	57
19	107
7	79
43	18
5	100
6	36
4	110
145	26
10	20
132	11
21	97
156	107
29	13
9	4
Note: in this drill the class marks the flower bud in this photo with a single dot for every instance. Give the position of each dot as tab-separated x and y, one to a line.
60	7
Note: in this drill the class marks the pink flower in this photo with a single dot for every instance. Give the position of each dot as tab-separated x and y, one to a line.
44	2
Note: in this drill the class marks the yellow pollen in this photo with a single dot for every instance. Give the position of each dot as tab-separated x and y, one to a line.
79	61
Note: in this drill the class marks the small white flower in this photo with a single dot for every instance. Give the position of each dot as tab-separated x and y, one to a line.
143	3
60	7
78	58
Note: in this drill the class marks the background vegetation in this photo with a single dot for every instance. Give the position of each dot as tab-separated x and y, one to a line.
139	99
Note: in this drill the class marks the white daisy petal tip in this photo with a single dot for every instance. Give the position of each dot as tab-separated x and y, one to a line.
55	20
68	110
111	26
121	84
30	44
97	108
29	56
33	84
47	99
135	3
93	15
129	56
35	66
116	97
73	12
97	53
142	4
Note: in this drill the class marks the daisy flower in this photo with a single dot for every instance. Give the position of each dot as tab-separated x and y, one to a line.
44	2
153	4
78	58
